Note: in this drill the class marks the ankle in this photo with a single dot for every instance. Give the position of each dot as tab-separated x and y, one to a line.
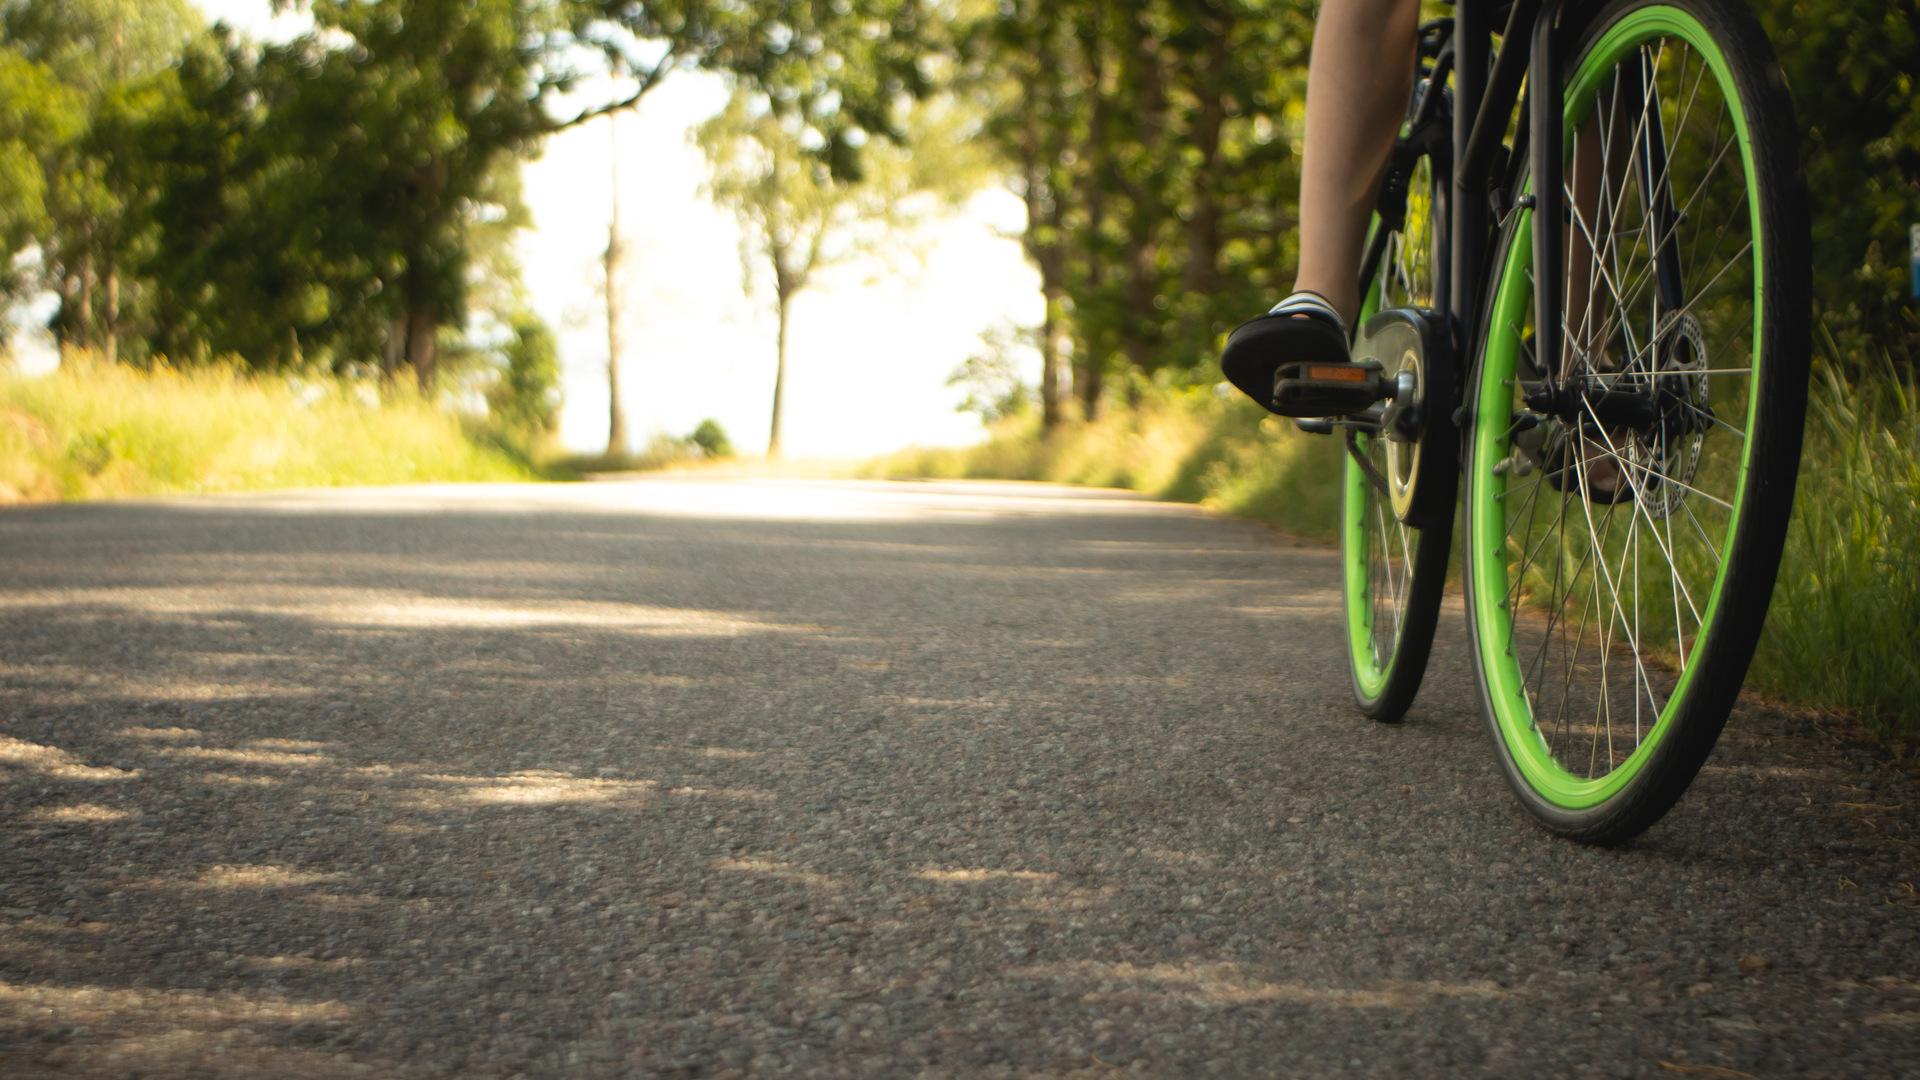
1345	301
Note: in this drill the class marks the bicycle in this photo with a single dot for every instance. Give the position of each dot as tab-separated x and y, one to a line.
1622	437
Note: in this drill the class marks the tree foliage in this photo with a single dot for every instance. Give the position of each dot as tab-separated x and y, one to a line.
798	215
1151	142
525	402
92	44
38	117
329	200
111	57
1853	67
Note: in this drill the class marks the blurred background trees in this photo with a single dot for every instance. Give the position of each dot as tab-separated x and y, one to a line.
1853	67
343	200
798	217
1153	143
346	200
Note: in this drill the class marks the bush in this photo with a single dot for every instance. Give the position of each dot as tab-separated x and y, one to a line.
712	439
523	406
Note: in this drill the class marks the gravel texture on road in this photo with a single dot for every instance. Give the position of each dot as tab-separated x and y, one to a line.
689	778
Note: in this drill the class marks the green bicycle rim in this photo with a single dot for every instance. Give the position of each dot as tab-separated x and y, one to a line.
1369	674
1501	674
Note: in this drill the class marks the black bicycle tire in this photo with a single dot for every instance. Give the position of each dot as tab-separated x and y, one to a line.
1725	648
1407	669
1406	666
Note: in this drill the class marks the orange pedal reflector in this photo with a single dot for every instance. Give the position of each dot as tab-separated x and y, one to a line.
1338	374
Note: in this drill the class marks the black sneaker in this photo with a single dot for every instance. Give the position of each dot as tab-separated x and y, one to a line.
1304	333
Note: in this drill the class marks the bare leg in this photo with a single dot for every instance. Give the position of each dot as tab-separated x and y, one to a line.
1358	80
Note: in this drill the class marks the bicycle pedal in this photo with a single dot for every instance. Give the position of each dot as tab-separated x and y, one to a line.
1323	389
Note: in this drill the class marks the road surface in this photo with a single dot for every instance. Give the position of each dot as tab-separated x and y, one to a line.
706	778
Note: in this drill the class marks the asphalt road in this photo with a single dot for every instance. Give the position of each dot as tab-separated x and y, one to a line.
770	778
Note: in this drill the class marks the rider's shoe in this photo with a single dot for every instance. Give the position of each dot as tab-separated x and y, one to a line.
1304	334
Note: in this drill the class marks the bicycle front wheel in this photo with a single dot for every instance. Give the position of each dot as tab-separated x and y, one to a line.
1627	499
1394	570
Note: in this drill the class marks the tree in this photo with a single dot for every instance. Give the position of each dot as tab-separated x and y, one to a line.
991	377
712	439
1149	139
797	217
113	55
1027	85
38	119
92	44
441	89
525	402
1852	68
616	250
318	201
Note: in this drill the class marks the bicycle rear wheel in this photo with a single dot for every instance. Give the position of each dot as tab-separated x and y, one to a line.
1628	499
1395	572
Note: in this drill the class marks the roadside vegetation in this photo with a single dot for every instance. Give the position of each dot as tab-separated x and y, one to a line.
706	444
96	430
1184	444
1844	629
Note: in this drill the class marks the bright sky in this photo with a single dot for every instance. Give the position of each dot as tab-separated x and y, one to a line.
869	351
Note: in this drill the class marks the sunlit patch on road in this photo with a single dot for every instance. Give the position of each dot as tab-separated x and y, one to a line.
528	788
983	874
83	813
53	762
1218	984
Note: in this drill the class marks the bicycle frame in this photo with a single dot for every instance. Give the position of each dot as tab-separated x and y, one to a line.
1483	104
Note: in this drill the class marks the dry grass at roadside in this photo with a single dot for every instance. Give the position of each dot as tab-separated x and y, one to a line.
1182	445
90	431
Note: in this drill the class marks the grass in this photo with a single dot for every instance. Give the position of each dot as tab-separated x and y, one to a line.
1184	445
1841	635
1844	629
90	430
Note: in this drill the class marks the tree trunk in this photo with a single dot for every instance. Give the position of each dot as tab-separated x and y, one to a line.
1043	243
1089	383
1145	68
1089	376
779	376
1050	361
111	316
422	347
616	412
396	350
1144	322
1203	228
83	308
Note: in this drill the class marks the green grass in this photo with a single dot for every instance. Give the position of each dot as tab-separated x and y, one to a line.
1842	632
1844	629
1184	445
91	431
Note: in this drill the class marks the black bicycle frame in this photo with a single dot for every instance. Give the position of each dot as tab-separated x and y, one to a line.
1483	104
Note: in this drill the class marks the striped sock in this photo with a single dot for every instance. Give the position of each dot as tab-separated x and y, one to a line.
1311	304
